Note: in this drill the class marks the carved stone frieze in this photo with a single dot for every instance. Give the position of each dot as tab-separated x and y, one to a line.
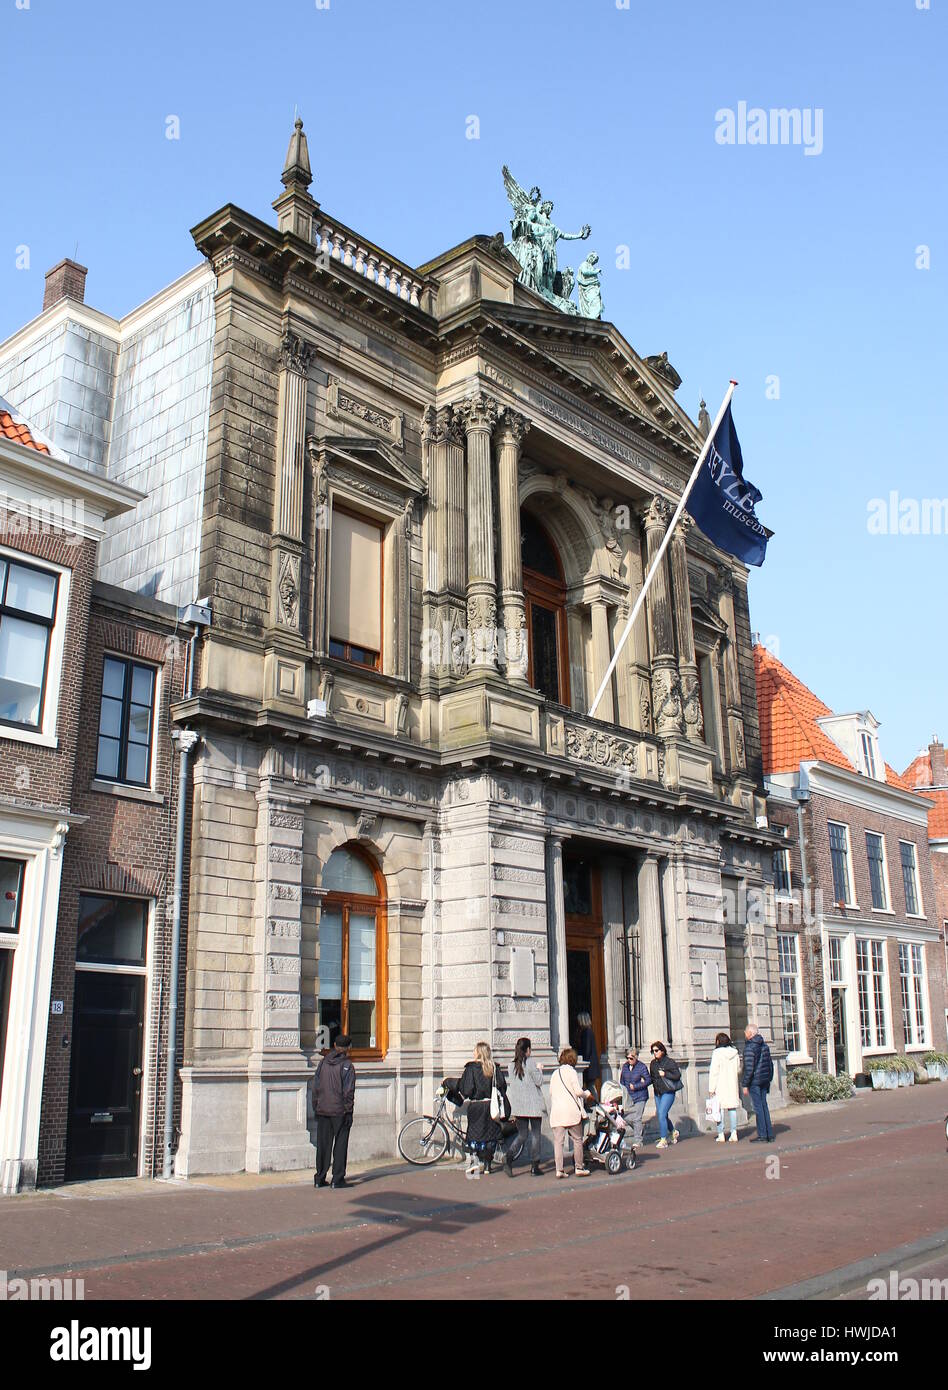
288	587
666	701
342	403
596	746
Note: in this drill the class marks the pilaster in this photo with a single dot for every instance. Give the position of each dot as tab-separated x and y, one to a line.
687	663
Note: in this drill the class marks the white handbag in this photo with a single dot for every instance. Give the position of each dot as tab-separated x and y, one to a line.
498	1109
712	1109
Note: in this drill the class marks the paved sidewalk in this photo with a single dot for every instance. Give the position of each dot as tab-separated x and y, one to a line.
403	1232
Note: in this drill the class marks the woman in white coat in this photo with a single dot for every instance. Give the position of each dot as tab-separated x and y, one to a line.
567	1112
724	1083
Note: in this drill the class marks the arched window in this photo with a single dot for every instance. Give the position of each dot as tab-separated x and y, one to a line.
544	595
352	953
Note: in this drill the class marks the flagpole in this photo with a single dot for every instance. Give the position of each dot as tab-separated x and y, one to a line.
653	567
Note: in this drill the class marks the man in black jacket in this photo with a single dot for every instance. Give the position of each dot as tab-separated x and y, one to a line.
757	1076
333	1098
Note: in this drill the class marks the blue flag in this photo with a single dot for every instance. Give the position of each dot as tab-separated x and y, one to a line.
722	502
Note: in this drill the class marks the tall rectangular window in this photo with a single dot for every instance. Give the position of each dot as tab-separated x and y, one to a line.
27	616
789	971
836	960
909	876
869	761
875	852
912	982
11	893
126	715
781	864
839	858
870	981
355	590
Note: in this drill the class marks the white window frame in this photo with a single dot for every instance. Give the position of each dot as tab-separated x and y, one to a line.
851	886
925	1044
801	1054
889	910
918	879
45	737
873	1047
868	753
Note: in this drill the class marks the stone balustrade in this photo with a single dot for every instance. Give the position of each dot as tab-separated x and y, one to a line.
337	242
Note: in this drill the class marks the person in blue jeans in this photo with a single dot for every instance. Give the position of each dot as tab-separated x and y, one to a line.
755	1079
666	1083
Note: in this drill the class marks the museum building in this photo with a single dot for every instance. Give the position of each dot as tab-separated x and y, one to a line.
419	503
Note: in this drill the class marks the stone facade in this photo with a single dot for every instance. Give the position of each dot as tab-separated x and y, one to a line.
437	405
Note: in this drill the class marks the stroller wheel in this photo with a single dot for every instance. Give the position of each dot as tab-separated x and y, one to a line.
629	1162
614	1162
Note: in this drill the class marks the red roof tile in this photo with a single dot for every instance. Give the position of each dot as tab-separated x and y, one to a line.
10	428
918	777
789	733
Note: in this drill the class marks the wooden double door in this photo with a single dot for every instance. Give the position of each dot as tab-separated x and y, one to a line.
585	968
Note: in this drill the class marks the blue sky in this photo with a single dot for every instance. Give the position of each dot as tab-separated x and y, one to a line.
746	261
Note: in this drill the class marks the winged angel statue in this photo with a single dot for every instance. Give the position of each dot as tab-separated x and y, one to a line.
534	235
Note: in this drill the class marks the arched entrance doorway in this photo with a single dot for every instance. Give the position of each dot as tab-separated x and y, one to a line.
352	951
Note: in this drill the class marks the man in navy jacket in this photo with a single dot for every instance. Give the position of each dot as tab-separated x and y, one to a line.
757	1076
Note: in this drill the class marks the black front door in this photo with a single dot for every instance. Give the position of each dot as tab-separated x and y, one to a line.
105	1087
839	1029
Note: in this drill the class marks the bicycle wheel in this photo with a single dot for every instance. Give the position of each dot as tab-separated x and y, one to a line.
422	1141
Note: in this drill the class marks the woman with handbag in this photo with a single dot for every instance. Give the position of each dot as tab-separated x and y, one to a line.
666	1083
483	1084
567	1112
525	1093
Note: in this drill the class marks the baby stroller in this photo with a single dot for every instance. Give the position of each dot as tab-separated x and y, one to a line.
607	1139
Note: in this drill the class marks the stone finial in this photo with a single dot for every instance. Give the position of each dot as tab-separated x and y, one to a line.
704	419
297	170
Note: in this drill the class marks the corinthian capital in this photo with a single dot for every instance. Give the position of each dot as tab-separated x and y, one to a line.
436	424
512	427
478	412
295	354
656	513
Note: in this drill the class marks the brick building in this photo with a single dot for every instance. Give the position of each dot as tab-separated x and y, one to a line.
52	515
861	958
927	774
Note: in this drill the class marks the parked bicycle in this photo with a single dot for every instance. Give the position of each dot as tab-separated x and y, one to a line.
425	1140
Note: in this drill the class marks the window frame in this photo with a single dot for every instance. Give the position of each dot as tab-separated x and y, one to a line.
850	899
886	888
344	901
868	753
121	779
918	982
550	594
9	936
918	910
24	616
796	977
874	993
347	647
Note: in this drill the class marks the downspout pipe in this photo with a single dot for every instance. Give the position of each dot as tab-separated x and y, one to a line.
184	741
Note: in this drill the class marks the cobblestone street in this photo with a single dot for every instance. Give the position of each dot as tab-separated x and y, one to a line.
861	1191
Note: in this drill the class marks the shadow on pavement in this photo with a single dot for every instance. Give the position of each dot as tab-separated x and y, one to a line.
387	1208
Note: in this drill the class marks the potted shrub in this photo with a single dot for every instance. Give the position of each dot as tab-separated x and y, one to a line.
936	1064
808	1087
905	1070
882	1073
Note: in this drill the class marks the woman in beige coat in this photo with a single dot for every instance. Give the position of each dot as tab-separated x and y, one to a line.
724	1084
567	1112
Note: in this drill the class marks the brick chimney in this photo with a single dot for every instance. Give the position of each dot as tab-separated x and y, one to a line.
936	756
65	281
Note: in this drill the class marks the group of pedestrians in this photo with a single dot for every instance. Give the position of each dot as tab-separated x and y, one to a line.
499	1105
